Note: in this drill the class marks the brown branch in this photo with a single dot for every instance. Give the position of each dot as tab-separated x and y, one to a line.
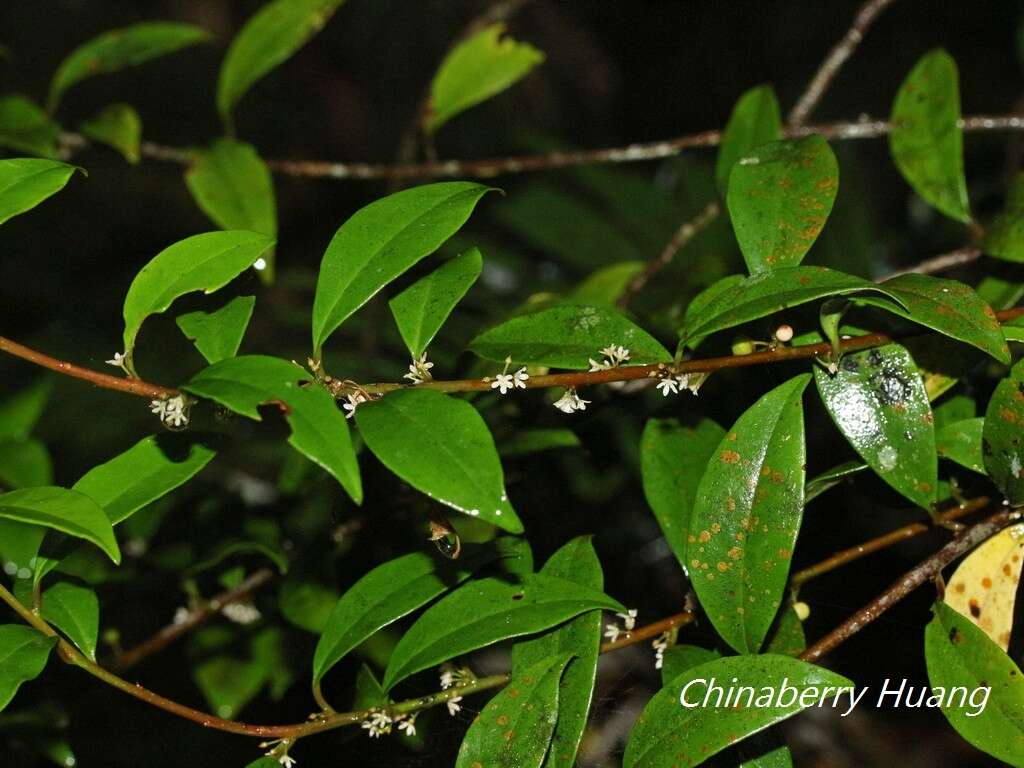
164	637
834	61
489	168
910	581
648	631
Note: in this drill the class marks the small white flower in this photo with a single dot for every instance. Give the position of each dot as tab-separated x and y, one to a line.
118	361
353	402
668	385
181	615
660	645
173	411
241	613
520	377
616	354
571	402
419	370
159	407
453	705
406	725
378	723
596	366
503	382
447	677
628	619
612	632
287	761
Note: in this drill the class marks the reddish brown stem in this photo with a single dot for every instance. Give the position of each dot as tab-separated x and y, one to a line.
648	631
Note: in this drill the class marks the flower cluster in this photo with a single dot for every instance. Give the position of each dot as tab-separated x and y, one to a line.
660	644
241	613
352	402
612	631
173	411
378	723
673	383
571	402
419	370
614	356
506	381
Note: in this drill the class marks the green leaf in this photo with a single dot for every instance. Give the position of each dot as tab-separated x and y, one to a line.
878	401
151	468
118	126
960	655
23	654
25	127
26	182
269	38
680	658
1004	237
478	68
746	516
567	336
20	412
421	309
830	478
667	733
486	611
75	611
228	683
1002	447
319	430
926	141
63	510
755	120
780	195
442	447
733	301
218	335
672	460
306	604
526	441
579	638
786	636
1014	330
126	47
203	262
380	242
385	594
19	546
25	463
961	442
232	185
515	729
947	306
606	286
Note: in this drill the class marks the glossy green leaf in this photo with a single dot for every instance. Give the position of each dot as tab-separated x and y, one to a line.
579	638
960	655
306	604
218	335
421	309
672	460
1004	237
23	654
681	658
667	733
481	66
151	468
205	262
746	516
926	140
526	441
733	301
486	611
1014	330
270	37
567	336
515	729
381	241
946	306
19	546
878	401
75	611
120	48
1002	443
25	127
24	463
20	412
385	594
232	185
369	692
63	510
319	430
118	126
961	442
26	182
780	196
442	447
755	120
606	286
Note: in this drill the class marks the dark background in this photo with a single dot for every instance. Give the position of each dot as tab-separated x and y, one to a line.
615	73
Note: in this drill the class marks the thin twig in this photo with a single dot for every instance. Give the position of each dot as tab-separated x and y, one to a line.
491	167
648	631
834	61
910	581
164	637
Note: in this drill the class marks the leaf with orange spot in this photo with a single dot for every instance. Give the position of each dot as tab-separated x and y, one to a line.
1002	443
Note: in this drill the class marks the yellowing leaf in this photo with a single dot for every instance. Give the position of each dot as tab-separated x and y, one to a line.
984	586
